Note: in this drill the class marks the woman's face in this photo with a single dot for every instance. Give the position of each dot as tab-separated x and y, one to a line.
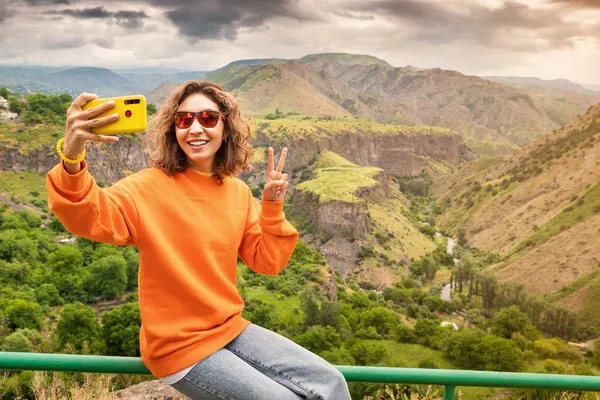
200	144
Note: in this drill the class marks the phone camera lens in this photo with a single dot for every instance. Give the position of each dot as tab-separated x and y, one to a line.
128	113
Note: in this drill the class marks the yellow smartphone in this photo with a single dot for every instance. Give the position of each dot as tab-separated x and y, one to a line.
132	115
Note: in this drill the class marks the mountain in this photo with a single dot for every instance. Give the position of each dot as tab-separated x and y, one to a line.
105	82
101	81
252	61
492	117
346	58
26	79
537	83
540	210
591	87
150	81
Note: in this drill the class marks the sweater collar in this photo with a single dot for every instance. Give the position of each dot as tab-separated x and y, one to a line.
200	178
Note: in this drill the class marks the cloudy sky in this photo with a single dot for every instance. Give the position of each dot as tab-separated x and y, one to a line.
544	38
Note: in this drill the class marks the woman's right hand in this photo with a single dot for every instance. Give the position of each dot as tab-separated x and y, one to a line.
79	124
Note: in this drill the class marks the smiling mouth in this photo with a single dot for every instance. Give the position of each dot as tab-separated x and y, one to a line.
197	143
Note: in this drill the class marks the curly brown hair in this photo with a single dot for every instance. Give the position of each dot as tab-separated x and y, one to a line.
164	150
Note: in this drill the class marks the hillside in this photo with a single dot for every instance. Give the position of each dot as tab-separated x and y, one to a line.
493	118
360	220
150	81
540	209
558	85
101	81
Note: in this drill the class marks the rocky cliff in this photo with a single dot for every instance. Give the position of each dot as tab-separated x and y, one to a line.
398	154
107	162
357	216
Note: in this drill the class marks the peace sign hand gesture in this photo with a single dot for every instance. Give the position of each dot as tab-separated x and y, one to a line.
277	183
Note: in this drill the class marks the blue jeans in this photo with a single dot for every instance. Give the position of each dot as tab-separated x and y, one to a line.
263	365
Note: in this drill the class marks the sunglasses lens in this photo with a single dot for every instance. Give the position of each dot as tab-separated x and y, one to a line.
208	119
183	120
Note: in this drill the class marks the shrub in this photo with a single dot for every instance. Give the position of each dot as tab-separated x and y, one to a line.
405	335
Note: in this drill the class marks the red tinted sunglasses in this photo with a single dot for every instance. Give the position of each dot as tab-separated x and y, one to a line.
208	119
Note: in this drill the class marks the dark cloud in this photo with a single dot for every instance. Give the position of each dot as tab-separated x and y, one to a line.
5	13
61	43
128	19
512	25
221	19
47	2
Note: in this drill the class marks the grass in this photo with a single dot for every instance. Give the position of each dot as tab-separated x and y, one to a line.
405	238
259	154
576	285
23	185
581	209
242	77
590	313
268	297
26	138
340	183
410	355
296	126
331	159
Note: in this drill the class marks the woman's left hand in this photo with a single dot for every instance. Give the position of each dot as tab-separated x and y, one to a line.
276	183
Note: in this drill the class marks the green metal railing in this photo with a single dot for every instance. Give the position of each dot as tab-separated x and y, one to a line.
448	378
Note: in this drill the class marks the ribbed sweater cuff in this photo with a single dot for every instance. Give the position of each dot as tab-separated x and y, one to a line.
272	211
72	184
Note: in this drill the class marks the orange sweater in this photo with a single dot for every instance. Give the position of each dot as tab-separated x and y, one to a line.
190	230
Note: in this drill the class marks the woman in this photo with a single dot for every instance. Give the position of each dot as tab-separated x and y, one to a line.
191	219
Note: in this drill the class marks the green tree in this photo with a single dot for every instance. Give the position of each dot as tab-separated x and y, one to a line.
151	109
310	306
509	320
14	106
319	338
405	335
382	319
365	353
359	300
121	330
433	303
4	93
425	329
17	342
47	294
107	277
258	312
397	295
23	314
133	263
329	314
464	348
338	357
501	354
15	245
17	273
67	272
77	325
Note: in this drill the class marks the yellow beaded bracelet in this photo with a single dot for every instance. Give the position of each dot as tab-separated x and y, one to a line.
65	158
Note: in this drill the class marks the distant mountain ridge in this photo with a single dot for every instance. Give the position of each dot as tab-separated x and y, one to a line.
101	81
492	117
537	83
